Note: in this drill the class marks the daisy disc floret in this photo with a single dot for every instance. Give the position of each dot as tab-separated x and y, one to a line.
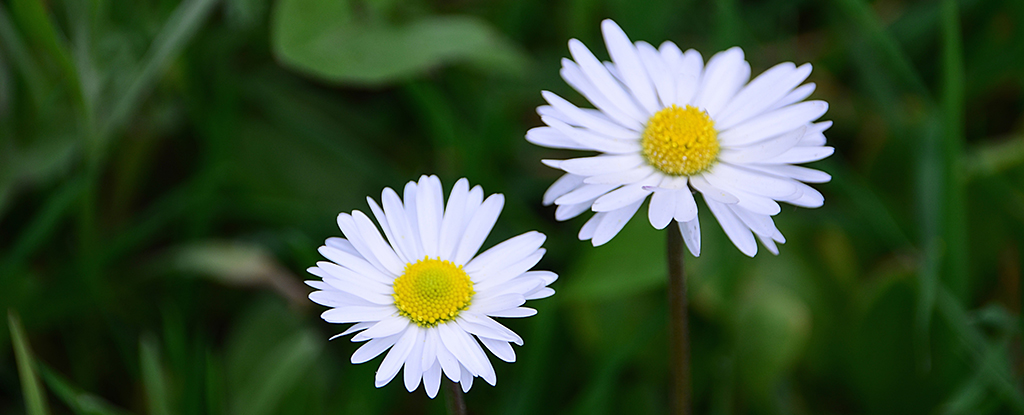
665	124
422	291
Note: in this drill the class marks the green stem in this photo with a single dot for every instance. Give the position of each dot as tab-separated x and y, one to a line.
679	324
453	398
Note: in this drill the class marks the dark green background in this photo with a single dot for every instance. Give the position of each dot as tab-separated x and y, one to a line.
168	170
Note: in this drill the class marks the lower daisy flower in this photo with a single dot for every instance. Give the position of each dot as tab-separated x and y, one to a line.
423	292
667	126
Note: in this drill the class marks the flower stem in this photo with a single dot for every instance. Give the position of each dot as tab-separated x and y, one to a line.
679	324
453	398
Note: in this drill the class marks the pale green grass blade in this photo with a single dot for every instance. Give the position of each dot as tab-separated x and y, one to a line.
154	380
31	387
953	113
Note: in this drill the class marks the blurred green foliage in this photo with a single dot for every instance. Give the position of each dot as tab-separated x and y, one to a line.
168	169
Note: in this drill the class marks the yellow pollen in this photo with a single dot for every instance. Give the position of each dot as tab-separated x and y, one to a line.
431	291
680	141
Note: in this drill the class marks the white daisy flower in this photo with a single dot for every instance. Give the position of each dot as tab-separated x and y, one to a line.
666	125
423	292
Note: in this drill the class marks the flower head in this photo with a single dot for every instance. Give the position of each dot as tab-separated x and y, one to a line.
668	125
424	292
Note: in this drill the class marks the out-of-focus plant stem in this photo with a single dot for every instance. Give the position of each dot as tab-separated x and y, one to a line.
679	325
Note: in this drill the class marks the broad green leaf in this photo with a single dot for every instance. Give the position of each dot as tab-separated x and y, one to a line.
31	387
323	39
632	262
772	327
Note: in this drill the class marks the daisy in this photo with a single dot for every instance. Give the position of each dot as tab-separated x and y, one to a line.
423	292
667	125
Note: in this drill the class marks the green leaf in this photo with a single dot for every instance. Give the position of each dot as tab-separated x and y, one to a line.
32	388
153	378
322	39
80	402
631	263
183	23
773	326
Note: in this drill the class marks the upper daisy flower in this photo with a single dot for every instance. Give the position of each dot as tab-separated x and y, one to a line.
424	292
667	125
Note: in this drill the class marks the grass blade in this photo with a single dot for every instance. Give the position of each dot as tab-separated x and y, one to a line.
172	38
153	377
867	22
955	229
32	388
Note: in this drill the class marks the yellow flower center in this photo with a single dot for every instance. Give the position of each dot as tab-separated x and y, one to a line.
680	141
431	291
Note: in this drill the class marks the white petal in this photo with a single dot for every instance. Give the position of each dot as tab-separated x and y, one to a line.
725	174
737	232
499	348
431	344
380	249
794	96
726	72
355	314
762	150
453	223
658	72
413	371
800	173
575	78
395	358
797	155
432	380
565	184
385	226
628	63
499	303
691	235
586	119
400	226
761	93
449	362
613	222
506	253
353	234
686	207
591	140
600	78
689	75
603	164
566	212
478	228
810	198
709	191
773	123
429	212
341	244
467	379
411	215
625	195
373	348
584	193
768	243
386	327
483	326
518	312
759	224
552	138
755	203
588	229
661	208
